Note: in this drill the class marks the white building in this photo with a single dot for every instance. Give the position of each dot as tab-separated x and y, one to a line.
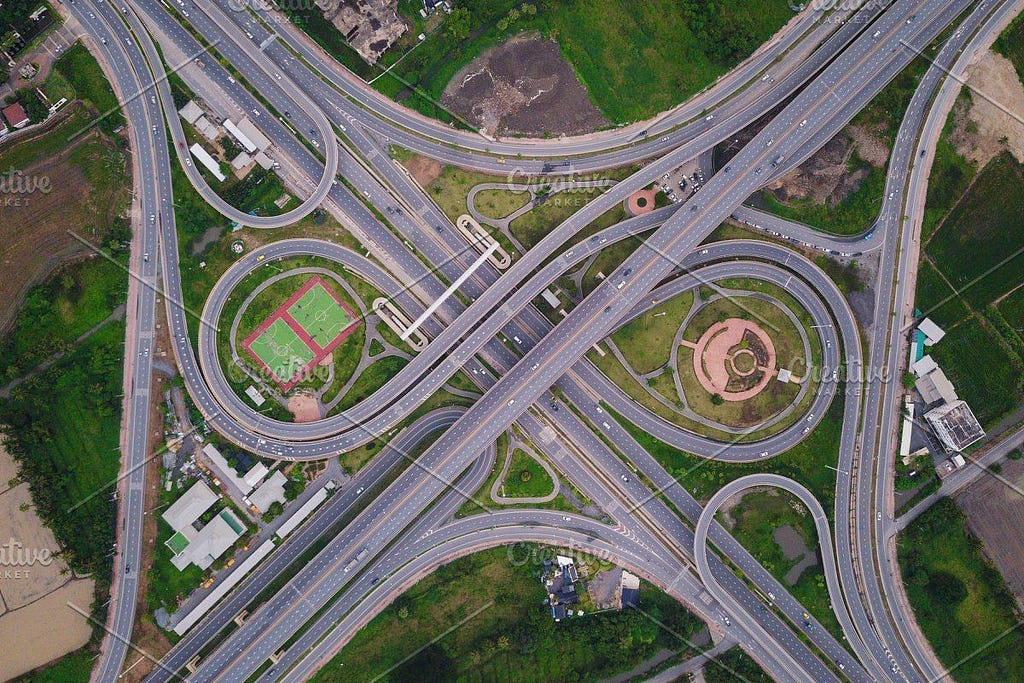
203	157
271	491
933	334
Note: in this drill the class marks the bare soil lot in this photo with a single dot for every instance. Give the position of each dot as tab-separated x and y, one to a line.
995	514
36	624
979	130
523	87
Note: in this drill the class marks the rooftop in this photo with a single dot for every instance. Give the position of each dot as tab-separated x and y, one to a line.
955	425
191	506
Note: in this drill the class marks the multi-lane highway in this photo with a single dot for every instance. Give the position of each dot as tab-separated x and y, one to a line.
830	69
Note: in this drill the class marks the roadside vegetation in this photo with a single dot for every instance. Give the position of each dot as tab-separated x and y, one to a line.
507	632
959	598
635	60
734	665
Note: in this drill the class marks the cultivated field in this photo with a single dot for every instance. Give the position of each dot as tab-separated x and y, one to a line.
36	625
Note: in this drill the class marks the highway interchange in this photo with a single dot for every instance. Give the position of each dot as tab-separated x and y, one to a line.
833	69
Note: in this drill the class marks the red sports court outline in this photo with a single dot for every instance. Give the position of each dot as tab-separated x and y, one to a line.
319	352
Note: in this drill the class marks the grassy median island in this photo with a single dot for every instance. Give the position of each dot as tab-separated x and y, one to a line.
779	532
959	599
735	665
503	630
526	477
645	345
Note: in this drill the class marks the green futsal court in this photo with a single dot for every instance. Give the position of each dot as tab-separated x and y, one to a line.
281	350
320	315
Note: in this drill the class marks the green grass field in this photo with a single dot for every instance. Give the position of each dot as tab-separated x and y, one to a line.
986	224
526	477
320	315
973	258
808	462
980	368
960	600
281	349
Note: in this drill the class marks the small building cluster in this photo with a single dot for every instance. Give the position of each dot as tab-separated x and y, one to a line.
951	419
195	544
948	418
560	580
246	134
254	489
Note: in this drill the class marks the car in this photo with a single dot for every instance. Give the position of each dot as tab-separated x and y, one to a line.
879	516
375	581
709	117
145	257
764	454
625	478
566	519
359	490
261	257
803	123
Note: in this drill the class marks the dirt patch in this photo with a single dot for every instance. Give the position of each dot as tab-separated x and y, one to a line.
34	237
995	514
981	125
305	408
523	87
825	178
424	170
46	629
869	144
34	571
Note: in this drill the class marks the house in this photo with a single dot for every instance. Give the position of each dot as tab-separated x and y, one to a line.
208	161
199	546
630	584
923	366
933	334
15	115
202	548
191	506
191	112
255	136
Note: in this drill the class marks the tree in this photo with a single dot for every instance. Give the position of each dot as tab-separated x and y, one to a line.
946	589
459	22
716	399
909	381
